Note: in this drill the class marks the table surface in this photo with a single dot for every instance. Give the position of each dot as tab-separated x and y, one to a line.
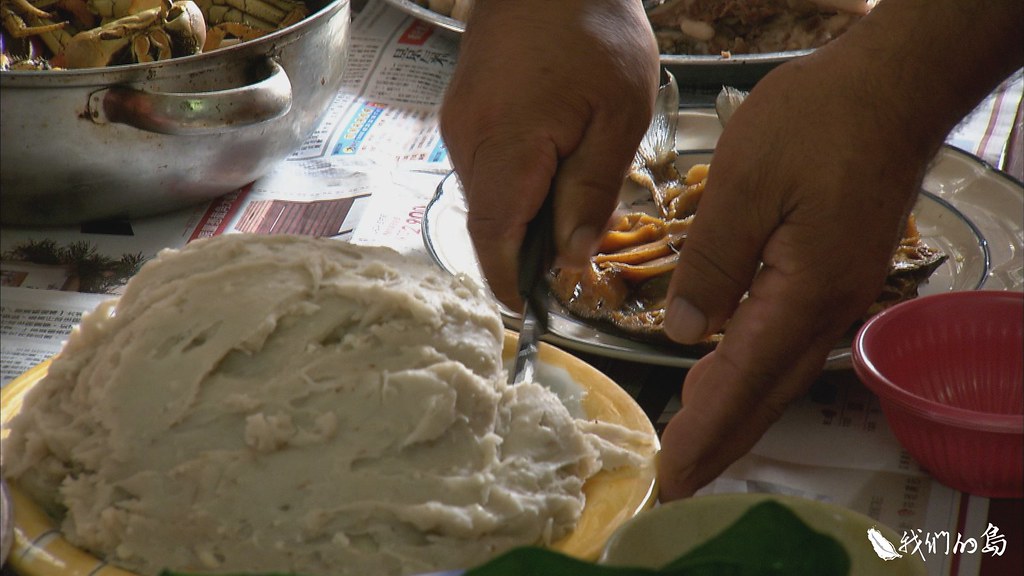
656	389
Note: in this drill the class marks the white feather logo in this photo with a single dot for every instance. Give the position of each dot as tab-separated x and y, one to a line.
885	550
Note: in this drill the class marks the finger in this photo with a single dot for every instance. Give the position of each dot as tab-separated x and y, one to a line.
733	396
773	348
589	180
695	373
719	258
710	433
510	178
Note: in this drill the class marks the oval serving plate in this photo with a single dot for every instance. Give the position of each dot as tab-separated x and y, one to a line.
969	209
613	496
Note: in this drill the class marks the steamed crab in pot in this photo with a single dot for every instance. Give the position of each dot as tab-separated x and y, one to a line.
169	30
248	19
96	33
22	22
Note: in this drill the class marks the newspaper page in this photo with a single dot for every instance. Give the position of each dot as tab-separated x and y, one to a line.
367	173
382	122
847	455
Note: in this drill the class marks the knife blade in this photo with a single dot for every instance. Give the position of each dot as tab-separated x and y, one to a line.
535	259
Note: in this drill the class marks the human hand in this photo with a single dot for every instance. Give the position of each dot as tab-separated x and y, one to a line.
805	200
547	96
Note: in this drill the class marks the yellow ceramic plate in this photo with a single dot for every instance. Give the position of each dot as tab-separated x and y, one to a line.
613	497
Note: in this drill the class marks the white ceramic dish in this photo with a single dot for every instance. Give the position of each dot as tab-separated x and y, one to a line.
660	535
969	209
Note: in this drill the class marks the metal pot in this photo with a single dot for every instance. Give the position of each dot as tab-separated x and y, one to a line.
140	139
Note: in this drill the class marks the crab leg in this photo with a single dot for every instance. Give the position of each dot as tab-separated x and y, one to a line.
294	11
114	9
216	34
265	14
257	9
28	8
55	39
30	24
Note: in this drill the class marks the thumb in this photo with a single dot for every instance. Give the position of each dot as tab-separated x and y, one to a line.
717	261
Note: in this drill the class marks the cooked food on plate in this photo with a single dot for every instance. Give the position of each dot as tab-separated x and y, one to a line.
296	405
625	285
751	26
627	280
726	27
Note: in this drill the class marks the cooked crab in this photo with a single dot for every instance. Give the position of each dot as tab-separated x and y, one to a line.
22	20
91	33
171	29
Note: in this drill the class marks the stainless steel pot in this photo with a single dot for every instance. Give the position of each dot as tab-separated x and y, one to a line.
136	140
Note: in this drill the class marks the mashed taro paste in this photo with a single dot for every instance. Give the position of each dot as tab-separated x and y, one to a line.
289	404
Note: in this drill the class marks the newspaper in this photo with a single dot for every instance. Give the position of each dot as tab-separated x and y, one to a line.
834	445
366	175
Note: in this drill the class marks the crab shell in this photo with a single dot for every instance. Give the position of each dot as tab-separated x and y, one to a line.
114	9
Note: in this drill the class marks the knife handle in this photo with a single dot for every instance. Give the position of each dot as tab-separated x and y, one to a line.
535	260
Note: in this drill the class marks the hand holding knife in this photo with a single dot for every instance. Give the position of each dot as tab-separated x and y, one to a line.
535	259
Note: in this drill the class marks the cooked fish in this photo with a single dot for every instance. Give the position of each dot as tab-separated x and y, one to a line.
626	283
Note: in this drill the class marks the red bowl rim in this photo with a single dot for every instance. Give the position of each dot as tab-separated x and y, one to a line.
925	407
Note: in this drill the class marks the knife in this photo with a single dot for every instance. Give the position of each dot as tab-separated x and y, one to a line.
535	259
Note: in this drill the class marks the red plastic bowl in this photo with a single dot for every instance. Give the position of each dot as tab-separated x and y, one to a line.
949	373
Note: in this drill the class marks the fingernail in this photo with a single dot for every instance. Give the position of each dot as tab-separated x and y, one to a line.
684	322
581	247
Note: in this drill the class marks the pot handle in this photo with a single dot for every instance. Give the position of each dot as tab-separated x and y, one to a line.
181	113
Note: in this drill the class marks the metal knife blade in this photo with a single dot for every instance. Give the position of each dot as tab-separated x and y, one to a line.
535	259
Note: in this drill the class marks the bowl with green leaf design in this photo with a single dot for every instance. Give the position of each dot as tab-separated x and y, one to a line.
743	533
